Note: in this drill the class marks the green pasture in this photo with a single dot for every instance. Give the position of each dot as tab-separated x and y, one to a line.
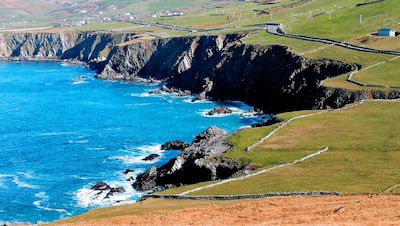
311	50
348	172
109	26
333	19
363	157
375	76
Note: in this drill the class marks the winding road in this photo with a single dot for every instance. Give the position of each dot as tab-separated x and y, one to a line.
276	30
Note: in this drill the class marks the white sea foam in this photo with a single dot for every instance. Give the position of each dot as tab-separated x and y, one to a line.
78	82
235	111
22	184
78	141
81	79
148	149
44	198
3	178
136	155
190	101
129	160
41	71
25	174
204	113
2	185
145	94
57	133
87	197
97	149
41	195
6	175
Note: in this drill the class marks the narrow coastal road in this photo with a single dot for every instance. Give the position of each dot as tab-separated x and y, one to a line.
276	30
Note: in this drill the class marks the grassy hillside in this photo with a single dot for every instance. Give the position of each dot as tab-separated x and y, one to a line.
363	155
363	140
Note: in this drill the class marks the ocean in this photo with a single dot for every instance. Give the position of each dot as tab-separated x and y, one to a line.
62	131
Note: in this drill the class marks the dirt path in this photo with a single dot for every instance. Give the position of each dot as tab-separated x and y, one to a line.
326	210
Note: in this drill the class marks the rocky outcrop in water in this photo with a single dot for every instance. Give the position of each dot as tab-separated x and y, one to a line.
174	145
219	111
104	187
151	157
197	162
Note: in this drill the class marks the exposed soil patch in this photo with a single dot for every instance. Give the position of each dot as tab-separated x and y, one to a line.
326	210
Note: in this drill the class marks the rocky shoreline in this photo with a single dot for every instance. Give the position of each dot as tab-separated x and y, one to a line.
217	67
220	67
196	162
268	77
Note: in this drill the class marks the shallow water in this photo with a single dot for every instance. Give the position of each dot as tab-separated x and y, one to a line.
62	131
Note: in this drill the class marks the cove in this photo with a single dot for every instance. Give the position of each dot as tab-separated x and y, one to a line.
62	131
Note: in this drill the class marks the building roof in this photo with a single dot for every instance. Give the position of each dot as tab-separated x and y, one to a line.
385	29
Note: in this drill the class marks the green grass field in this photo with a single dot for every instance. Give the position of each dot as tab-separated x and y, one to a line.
363	157
374	75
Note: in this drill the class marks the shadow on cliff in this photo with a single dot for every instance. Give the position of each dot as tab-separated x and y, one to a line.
268	77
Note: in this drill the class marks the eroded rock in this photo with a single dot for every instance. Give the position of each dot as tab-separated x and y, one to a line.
193	164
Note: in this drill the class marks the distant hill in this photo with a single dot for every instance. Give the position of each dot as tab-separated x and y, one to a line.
42	10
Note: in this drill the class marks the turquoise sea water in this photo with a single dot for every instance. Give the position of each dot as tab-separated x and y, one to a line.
62	131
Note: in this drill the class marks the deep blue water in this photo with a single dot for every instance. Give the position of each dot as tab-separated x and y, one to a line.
60	135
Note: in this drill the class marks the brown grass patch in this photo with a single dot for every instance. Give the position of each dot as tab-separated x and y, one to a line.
285	140
323	210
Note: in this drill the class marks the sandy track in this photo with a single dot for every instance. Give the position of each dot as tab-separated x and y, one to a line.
327	210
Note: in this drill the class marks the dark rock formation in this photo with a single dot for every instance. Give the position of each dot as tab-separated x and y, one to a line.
156	92
217	67
195	163
127	171
147	180
104	187
101	186
223	68
129	174
267	122
174	145
219	110
151	157
42	46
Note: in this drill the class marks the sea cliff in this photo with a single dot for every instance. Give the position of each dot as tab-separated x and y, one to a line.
220	67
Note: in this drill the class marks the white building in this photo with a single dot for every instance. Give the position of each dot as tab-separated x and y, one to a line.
386	32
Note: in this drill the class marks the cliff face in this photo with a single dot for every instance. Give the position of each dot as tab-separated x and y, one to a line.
223	68
218	67
195	163
38	46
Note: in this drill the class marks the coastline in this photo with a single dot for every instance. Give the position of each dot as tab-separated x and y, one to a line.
132	81
288	89
33	59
